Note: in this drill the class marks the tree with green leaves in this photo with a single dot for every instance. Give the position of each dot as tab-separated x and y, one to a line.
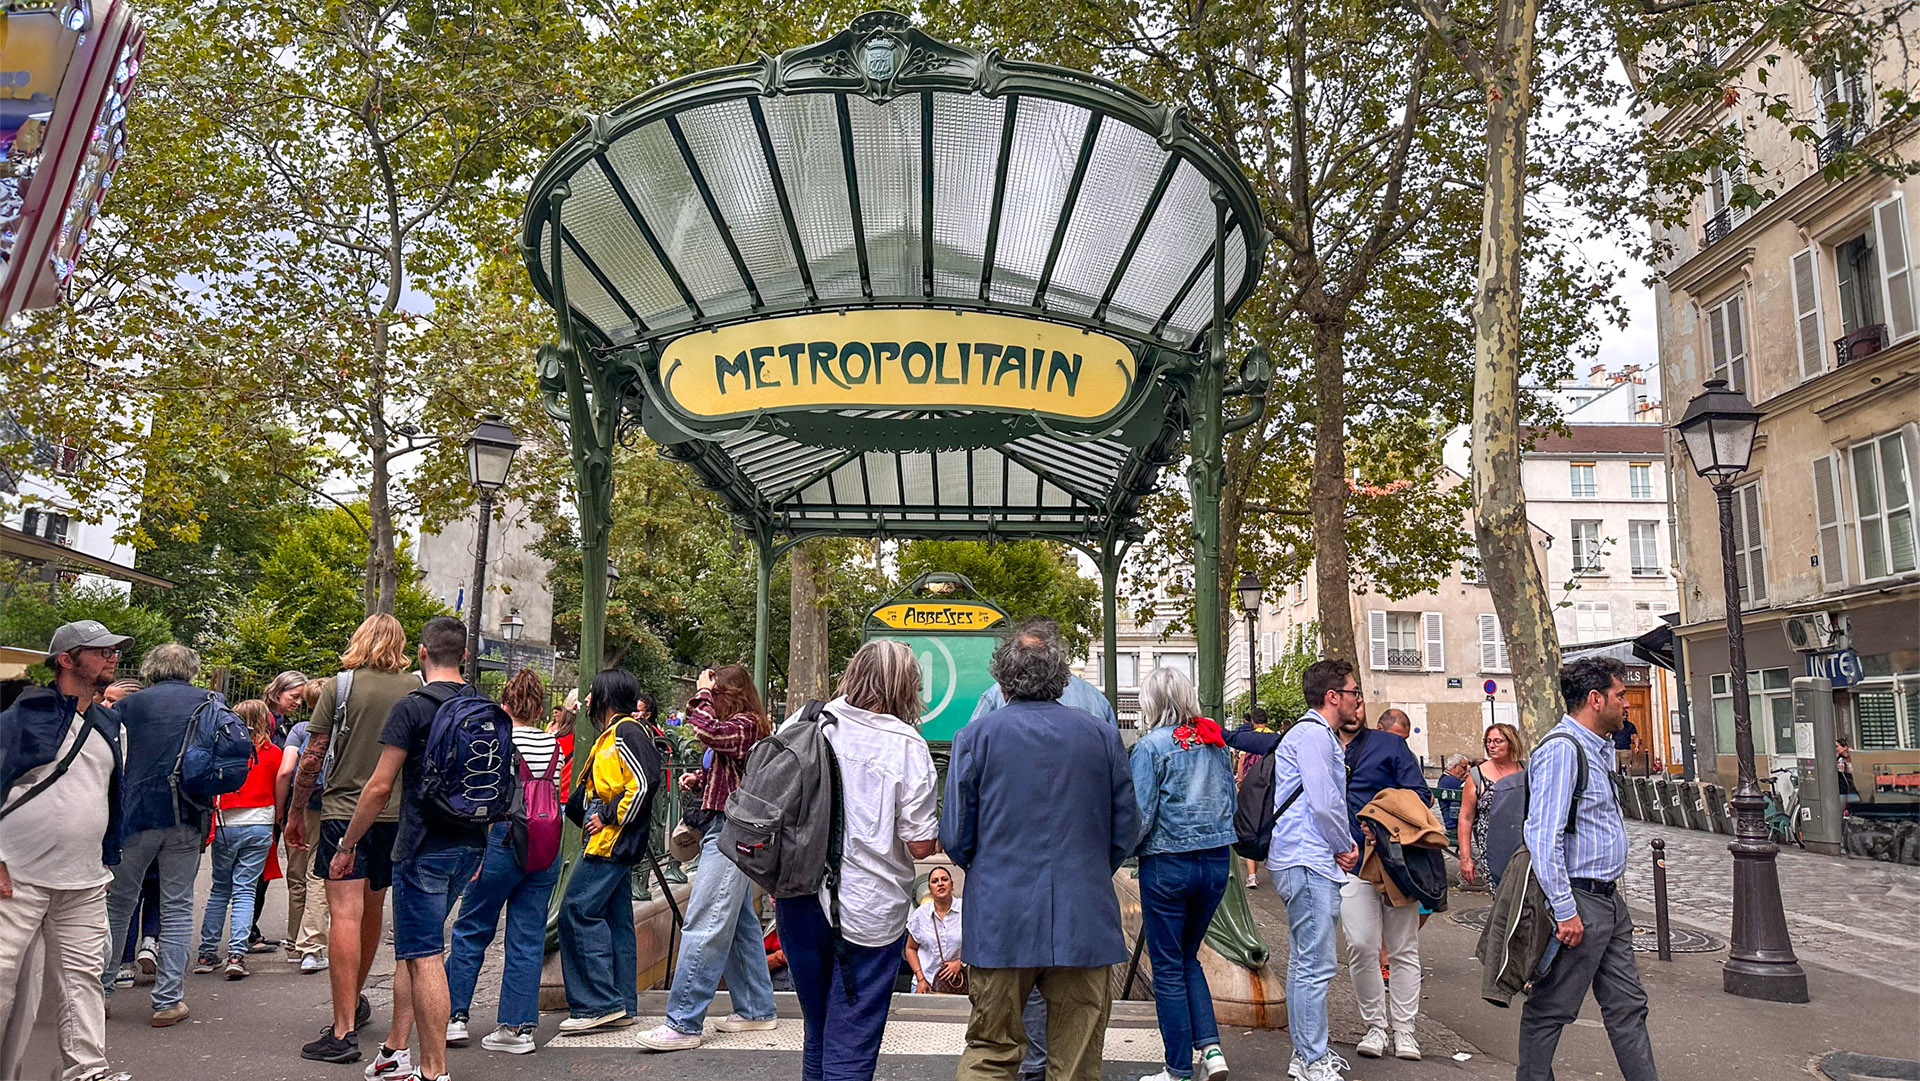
307	600
31	613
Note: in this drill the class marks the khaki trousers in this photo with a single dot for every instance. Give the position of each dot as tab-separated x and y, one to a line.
306	896
71	926
1078	1003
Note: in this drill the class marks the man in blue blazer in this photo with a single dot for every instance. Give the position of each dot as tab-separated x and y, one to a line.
1040	812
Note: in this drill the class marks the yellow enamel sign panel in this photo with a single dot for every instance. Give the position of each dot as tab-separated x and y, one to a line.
898	359
937	615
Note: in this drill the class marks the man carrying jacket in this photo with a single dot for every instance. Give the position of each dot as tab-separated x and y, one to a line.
59	832
157	825
1377	760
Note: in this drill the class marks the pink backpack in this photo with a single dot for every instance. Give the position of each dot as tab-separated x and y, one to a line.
535	833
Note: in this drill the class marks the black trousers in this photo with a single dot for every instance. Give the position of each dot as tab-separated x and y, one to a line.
1603	961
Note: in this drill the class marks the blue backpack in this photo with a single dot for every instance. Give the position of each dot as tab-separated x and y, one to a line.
468	774
216	754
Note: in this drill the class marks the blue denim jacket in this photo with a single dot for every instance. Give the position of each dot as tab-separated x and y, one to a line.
1186	795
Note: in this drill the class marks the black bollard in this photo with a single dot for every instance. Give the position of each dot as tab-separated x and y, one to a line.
1660	930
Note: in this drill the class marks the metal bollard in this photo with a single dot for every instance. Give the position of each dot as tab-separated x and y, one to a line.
1662	934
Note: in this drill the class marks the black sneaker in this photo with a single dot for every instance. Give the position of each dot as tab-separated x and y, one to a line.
331	1048
362	1013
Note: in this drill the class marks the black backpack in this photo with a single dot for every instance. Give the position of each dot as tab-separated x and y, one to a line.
1507	818
1418	871
1254	812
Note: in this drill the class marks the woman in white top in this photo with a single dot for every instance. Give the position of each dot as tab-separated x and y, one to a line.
887	784
933	939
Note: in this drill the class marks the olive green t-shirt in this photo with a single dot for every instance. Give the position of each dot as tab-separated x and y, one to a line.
368	702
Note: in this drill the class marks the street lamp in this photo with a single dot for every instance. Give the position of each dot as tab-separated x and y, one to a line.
613	580
1718	430
510	629
1250	593
490	452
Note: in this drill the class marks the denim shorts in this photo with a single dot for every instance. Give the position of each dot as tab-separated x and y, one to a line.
424	889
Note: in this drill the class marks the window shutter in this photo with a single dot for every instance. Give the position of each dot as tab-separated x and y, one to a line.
1755	582
1737	344
1826	509
1493	646
1740	543
1436	647
1806	313
1890	225
1717	339
1377	639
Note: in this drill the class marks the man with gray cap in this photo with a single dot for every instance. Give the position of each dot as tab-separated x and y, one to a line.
60	767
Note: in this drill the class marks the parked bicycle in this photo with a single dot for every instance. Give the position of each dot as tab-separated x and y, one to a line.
1783	806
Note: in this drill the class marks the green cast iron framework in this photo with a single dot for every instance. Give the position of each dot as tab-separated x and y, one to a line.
885	171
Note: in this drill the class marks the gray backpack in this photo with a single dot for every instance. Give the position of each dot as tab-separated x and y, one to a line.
783	824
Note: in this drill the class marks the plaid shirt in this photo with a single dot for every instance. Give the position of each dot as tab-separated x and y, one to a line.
730	740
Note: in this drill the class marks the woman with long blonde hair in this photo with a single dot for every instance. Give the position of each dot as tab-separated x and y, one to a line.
1506	756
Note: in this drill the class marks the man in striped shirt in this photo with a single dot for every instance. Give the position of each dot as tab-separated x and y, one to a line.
1578	860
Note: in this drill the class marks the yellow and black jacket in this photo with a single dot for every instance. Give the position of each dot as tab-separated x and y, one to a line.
623	775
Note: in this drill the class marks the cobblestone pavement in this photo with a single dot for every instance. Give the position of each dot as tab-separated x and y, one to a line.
1859	916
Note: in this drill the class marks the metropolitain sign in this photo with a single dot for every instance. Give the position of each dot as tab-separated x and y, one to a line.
899	358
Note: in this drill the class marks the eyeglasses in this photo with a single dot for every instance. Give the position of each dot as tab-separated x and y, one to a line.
1351	690
105	651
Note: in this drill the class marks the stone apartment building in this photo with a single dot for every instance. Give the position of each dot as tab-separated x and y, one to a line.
1806	304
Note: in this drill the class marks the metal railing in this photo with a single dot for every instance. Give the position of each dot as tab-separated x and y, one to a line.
1859	345
1718	226
1838	139
1404	658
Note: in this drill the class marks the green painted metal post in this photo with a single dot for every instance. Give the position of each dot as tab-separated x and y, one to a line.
1205	473
1110	624
762	614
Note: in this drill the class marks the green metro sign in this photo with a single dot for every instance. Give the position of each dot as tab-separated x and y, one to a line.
951	632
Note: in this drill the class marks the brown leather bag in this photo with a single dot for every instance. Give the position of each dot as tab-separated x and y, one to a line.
944	984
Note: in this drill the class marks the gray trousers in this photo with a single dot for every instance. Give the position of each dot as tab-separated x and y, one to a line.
1602	961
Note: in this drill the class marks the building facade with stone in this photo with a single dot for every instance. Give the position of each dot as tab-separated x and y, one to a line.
1806	303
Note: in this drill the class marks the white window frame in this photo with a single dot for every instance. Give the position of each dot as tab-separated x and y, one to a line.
1126	670
1855	91
1809	321
1644	534
1589	558
1727	340
1884	514
1891	238
1761	701
1638	472
1493	645
1592	478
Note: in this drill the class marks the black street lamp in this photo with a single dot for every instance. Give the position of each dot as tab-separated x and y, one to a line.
490	451
1718	431
510	629
1250	592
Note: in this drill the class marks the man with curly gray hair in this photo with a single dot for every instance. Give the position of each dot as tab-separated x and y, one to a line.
1040	907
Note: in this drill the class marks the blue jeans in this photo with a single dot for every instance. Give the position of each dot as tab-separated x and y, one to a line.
502	883
597	952
239	855
1313	905
177	852
722	938
1178	893
842	1032
424	890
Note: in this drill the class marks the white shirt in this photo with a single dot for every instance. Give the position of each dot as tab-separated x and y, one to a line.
937	937
887	786
53	840
536	747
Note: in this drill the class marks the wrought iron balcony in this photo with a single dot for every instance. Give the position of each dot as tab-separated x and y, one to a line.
1859	345
1837	140
1405	658
1718	226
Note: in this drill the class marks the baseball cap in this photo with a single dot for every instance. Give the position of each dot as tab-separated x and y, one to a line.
84	634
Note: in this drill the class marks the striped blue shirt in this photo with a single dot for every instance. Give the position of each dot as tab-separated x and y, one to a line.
1597	847
1314	829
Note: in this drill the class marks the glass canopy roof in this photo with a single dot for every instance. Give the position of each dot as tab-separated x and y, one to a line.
884	169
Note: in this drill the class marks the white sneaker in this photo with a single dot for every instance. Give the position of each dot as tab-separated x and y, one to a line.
1373	1044
148	959
457	1032
512	1040
314	962
1295	1067
1327	1069
124	978
668	1038
1163	1075
574	1026
1213	1060
389	1063
736	1023
1406	1047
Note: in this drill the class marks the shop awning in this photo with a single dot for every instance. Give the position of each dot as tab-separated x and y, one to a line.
25	546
